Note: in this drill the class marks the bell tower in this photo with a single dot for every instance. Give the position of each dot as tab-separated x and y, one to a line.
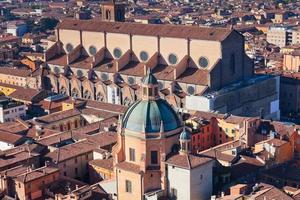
113	11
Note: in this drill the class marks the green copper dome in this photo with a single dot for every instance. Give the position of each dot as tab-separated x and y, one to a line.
150	116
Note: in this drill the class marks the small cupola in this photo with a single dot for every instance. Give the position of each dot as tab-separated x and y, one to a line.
185	141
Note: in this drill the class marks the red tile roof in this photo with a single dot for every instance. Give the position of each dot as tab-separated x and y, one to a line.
177	31
103	163
36	174
187	161
127	166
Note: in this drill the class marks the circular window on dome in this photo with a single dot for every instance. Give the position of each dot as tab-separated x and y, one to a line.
56	70
191	90
131	80
172	59
69	47
92	50
144	56
117	53
79	73
203	62
104	76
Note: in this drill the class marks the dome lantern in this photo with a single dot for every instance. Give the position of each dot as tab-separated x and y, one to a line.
149	86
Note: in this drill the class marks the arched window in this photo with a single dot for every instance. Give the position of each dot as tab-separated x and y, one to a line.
74	93
87	94
99	97
63	90
69	125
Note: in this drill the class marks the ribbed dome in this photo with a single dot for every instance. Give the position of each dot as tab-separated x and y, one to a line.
147	115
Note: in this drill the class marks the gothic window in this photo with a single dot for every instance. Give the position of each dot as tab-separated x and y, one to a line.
127	101
191	90
117	53
75	93
69	47
92	50
79	73
131	80
104	76
172	59
144	56
87	95
203	62
63	90
56	70
99	97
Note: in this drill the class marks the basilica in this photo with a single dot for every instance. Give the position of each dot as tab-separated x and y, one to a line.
105	60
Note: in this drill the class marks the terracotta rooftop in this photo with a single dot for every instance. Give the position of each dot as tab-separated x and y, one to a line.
177	31
127	166
188	161
99	113
15	171
229	119
88	129
113	108
276	142
10	138
103	163
57	116
24	94
194	76
20	72
17	157
83	146
36	174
